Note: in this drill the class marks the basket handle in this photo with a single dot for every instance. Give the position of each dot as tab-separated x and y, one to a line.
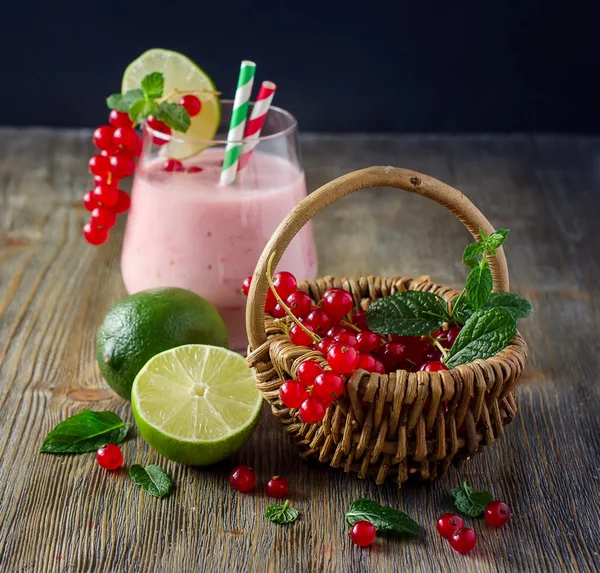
405	179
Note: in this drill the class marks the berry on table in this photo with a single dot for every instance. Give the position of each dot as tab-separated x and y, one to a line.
312	410
106	195
368	341
94	235
328	386
299	337
122	166
103	138
246	285
103	217
321	321
242	478
337	302
191	104
448	523
299	303
360	319
342	358
123	202
432	367
109	457
277	486
119	119
363	533
292	394
99	165
173	165
497	513
463	540
127	141
308	371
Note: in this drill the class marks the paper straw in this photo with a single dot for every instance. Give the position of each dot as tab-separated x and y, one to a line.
257	119
238	122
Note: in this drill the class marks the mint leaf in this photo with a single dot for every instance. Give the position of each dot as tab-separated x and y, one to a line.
472	253
485	334
462	309
471	501
85	432
153	85
281	514
383	518
122	102
479	285
408	313
496	239
141	109
175	116
153	480
513	303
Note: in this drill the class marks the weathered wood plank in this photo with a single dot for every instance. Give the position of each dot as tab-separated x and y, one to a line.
66	514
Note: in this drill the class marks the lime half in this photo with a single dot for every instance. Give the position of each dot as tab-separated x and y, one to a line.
180	74
196	404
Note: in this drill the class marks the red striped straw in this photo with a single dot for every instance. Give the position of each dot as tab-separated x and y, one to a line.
255	124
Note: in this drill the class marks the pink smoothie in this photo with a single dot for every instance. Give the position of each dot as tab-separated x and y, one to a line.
185	230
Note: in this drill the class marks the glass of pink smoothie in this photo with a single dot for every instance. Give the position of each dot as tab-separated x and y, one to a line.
186	230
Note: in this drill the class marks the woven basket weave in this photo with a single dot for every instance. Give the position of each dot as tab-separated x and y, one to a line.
396	425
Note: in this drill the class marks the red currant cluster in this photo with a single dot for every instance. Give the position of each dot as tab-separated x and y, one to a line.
463	539
119	146
347	345
243	479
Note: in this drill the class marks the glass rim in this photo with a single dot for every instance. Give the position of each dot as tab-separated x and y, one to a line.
183	138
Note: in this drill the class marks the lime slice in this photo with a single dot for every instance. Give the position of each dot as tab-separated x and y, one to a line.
196	404
182	74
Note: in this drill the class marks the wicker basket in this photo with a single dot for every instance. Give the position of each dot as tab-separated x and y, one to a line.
402	424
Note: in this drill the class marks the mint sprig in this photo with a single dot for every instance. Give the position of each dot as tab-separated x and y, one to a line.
152	479
148	100
281	514
489	319
382	517
471	501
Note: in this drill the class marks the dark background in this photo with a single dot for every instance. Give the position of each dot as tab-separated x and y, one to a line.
340	66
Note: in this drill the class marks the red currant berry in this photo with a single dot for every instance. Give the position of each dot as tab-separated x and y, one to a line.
277	486
99	165
321	321
433	355
109	457
104	217
360	319
432	367
299	337
94	235
448	523
242	478
172	165
447	337
194	169
379	367
337	329
106	179
342	358
103	138
367	362
122	166
161	127
497	513
337	302
393	355
278	311
191	104
368	341
123	203
328	387
127	141
346	337
292	394
89	201
246	285
106	195
324	344
308	371
119	119
463	540
363	533
285	284
312	410
299	303
415	347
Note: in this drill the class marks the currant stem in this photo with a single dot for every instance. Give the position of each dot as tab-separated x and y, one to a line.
349	324
436	343
314	337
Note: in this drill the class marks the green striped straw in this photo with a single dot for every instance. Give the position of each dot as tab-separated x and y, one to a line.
237	123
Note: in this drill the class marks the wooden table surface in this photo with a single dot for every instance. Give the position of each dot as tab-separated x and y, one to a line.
67	514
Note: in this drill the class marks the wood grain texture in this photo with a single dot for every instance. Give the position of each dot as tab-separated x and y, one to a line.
66	514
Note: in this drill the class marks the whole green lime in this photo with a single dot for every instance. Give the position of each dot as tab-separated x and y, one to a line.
149	322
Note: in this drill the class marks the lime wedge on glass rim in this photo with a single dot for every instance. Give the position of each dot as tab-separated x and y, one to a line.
196	404
182	74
